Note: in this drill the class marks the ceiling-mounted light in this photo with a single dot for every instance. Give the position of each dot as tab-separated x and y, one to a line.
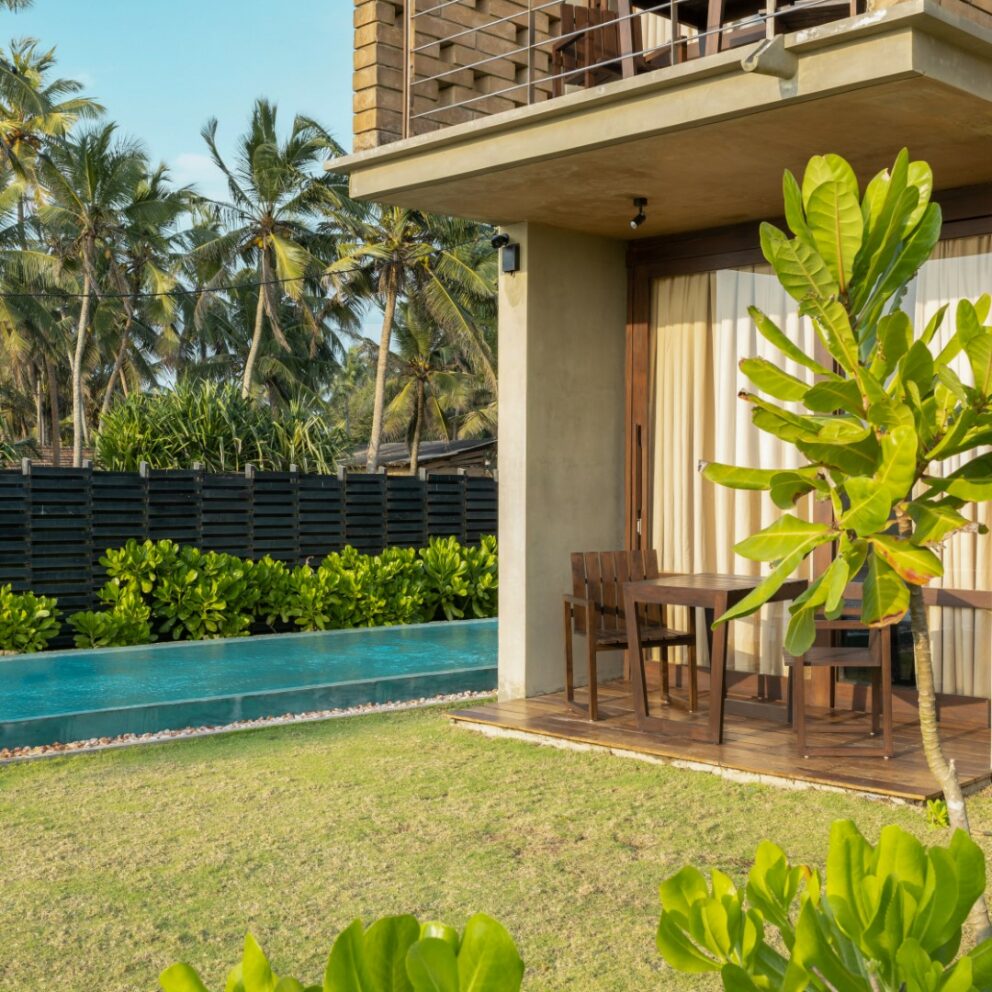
640	217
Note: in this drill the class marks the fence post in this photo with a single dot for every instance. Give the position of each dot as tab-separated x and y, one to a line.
250	477
26	518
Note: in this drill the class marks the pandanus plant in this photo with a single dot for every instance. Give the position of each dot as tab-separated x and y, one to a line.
882	415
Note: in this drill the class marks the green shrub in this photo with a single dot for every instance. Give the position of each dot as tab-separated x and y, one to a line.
217	427
482	578
140	565
446	577
395	954
272	584
887	918
126	622
322	598
204	595
27	622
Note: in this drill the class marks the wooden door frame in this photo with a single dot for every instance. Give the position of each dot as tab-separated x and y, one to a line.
967	212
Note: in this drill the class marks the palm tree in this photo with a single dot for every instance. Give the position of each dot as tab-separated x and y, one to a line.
90	182
430	388
276	190
145	264
38	109
441	261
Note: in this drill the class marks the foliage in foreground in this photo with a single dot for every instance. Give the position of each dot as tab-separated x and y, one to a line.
163	589
395	954
887	918
27	622
218	427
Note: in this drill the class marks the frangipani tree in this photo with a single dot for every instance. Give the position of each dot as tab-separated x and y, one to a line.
880	420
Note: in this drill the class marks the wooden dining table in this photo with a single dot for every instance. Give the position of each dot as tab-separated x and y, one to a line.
715	594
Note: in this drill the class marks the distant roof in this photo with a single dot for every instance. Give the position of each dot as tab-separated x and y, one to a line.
397	452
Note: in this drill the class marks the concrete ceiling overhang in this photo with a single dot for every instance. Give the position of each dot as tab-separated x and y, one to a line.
706	142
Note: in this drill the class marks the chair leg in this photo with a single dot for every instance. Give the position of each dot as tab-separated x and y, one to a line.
569	674
690	657
593	676
799	705
888	743
789	708
666	695
876	701
833	687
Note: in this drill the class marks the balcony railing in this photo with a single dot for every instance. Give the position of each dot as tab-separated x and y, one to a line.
466	59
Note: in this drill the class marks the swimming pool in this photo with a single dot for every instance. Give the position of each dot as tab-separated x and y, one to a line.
75	695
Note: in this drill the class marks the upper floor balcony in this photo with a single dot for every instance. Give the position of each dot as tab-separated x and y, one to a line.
567	113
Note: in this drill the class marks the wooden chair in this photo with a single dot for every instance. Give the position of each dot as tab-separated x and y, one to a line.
876	657
594	610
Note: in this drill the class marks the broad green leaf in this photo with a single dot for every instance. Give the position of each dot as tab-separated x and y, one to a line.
771	332
680	892
835	394
869	506
679	950
834	327
917	249
772	582
789	486
736	979
733	477
934	324
919	175
829	168
781	538
979	352
794	211
834	216
441	931
780	423
346	969
917	366
431	966
933	522
897	471
852	459
885	596
895	336
256	973
802	272
911	563
181	978
771	238
770	379
385	948
488	960
801	632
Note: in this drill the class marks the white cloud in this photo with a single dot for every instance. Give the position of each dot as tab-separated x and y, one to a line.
191	168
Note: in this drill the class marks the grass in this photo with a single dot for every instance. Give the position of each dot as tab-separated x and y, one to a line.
114	865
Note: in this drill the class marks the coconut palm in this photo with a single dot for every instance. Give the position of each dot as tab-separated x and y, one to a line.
145	263
90	182
444	262
275	193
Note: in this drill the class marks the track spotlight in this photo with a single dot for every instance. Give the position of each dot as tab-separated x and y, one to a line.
640	217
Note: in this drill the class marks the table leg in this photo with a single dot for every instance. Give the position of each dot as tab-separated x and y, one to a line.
714	23
718	667
637	675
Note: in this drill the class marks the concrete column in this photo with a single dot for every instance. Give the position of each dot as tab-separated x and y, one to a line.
562	322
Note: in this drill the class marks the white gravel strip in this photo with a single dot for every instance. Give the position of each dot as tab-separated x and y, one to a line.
15	754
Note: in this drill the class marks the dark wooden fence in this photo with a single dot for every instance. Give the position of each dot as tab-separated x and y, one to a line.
55	523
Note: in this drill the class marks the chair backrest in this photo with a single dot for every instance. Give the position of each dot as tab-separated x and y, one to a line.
967	599
600	576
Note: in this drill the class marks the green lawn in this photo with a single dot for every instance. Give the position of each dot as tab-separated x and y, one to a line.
114	865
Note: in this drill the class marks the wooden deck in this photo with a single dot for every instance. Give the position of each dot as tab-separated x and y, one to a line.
752	747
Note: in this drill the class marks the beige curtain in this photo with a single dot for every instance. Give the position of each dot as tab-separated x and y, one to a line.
702	331
962	639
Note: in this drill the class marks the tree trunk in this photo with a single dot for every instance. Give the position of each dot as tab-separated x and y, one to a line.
256	340
39	406
118	364
52	376
418	429
942	769
78	410
379	401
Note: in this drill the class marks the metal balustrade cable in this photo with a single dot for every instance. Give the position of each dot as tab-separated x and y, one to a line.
760	18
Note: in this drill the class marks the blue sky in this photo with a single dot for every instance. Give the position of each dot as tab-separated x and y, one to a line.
163	67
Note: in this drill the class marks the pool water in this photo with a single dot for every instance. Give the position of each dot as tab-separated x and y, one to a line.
75	695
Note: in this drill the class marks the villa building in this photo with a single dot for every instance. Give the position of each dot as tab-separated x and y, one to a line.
629	149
